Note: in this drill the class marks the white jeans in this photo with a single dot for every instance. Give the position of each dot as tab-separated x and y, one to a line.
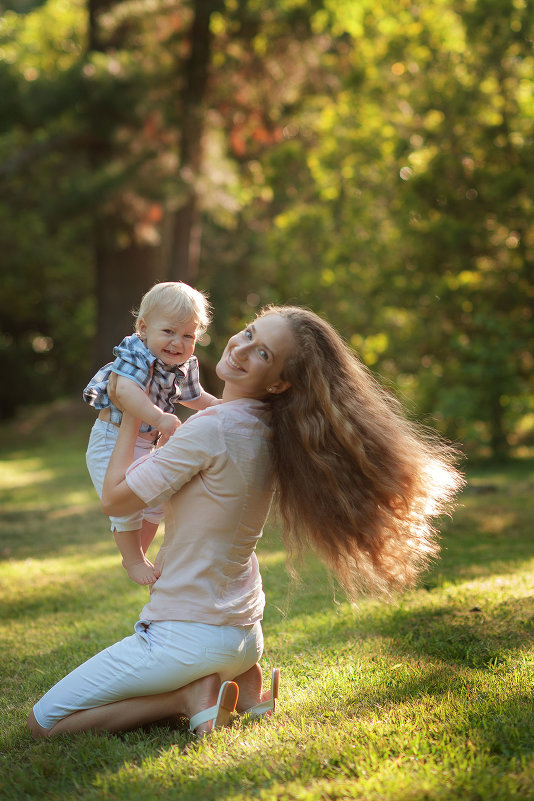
161	656
101	443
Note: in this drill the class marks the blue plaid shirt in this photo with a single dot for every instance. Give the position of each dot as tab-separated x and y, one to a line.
136	362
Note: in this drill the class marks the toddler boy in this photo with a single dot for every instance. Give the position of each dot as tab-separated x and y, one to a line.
154	367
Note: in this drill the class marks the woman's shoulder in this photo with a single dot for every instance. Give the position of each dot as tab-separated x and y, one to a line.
246	409
237	415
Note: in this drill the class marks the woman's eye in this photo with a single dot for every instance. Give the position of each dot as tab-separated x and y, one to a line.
263	354
248	333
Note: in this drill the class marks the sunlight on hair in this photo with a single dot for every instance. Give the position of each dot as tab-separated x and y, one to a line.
441	484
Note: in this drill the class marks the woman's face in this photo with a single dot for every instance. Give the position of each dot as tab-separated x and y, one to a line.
254	358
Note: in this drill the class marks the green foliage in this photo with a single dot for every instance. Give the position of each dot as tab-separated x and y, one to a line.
468	237
46	304
370	160
402	208
61	108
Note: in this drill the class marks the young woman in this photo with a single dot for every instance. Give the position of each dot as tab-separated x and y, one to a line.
355	480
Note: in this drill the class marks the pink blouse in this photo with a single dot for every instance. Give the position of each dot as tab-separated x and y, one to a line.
215	477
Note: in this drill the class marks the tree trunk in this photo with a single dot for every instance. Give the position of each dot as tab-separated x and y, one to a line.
123	276
184	224
500	448
183	233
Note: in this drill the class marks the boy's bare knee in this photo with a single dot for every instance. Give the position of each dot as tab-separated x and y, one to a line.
36	729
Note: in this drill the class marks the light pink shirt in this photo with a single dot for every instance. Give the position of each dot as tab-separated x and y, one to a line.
215	477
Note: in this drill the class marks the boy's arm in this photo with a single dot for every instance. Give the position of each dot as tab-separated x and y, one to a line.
133	399
201	402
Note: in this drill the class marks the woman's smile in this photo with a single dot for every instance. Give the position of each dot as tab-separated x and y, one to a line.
231	361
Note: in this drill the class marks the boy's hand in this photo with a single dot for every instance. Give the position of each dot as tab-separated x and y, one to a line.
167	425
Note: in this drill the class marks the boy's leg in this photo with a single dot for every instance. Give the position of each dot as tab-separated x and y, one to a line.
132	544
148	532
100	447
139	568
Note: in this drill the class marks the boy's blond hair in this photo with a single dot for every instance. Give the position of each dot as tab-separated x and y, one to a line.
179	299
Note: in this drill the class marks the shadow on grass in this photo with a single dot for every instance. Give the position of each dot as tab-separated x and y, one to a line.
470	636
456	640
503	730
473	637
491	732
44	533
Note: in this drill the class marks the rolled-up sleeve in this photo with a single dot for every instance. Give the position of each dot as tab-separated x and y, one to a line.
191	450
191	389
131	362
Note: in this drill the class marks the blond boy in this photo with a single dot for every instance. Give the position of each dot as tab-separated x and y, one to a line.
154	368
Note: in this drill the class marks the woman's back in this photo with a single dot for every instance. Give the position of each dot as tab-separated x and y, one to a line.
215	475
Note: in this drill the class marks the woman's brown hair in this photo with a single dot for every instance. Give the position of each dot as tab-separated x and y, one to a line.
356	480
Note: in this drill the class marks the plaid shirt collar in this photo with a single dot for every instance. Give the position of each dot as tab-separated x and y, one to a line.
167	368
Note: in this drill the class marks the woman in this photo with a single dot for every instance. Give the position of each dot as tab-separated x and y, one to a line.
355	480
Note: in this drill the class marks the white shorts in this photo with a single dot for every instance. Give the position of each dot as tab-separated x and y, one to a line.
161	656
101	443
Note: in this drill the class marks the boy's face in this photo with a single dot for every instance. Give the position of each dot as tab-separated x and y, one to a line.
168	338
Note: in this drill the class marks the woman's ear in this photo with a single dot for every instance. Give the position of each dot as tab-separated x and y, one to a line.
278	388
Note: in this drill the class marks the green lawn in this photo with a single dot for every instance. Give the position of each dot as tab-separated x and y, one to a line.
428	697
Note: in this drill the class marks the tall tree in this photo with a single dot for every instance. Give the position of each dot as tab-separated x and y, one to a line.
183	225
147	232
125	265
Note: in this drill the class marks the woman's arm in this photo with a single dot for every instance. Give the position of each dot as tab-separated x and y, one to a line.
117	497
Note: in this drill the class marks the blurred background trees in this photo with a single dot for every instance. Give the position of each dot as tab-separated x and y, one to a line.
371	160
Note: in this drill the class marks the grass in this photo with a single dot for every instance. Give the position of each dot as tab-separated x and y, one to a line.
429	697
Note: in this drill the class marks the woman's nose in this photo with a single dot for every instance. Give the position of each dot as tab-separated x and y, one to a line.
242	348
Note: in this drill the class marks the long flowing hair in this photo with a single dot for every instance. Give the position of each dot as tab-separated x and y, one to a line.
356	479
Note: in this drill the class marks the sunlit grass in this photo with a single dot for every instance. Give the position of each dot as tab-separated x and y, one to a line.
426	697
23	473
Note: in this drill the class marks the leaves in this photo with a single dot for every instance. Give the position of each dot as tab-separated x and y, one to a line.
371	160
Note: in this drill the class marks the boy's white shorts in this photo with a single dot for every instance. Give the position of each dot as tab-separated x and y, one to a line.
101	443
